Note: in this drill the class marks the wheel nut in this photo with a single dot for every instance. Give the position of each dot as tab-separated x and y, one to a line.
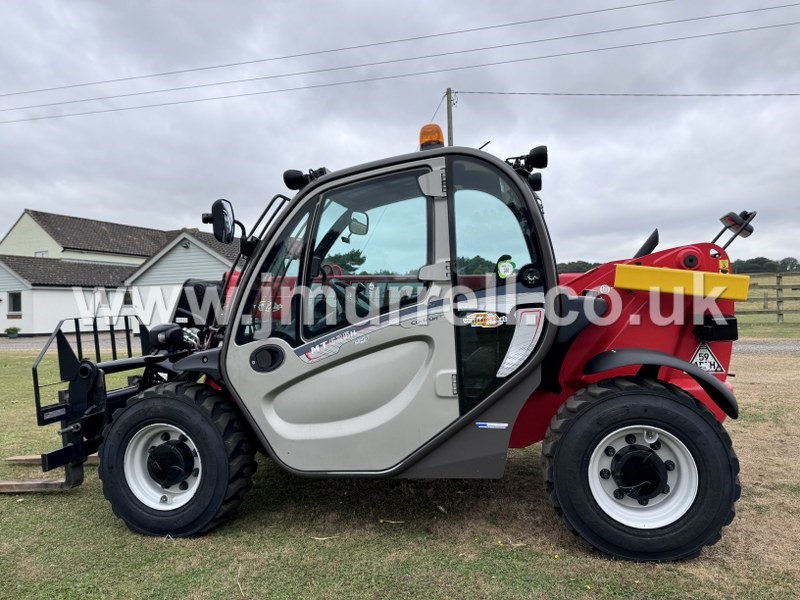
619	494
164	499
630	439
610	451
605	473
183	485
669	465
656	445
182	438
195	472
151	449
165	436
643	501
666	489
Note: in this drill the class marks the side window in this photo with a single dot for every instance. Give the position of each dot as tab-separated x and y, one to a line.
494	240
272	307
491	226
370	244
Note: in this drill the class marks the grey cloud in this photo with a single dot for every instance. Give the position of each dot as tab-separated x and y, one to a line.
619	166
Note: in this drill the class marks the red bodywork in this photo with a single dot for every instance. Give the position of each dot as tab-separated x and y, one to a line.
677	340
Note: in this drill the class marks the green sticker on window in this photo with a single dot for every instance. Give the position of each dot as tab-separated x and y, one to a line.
505	268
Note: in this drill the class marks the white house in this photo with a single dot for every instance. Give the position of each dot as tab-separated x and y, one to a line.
37	293
55	267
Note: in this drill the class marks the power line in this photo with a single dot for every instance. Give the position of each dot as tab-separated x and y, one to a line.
392	61
396	60
436	112
332	50
635	94
406	75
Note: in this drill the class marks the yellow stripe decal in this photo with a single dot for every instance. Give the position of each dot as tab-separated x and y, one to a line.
679	281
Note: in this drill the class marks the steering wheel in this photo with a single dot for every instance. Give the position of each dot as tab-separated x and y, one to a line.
330	270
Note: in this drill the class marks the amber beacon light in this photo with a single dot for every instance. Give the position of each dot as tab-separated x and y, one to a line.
431	136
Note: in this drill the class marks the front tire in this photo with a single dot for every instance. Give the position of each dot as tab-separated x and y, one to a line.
177	460
640	470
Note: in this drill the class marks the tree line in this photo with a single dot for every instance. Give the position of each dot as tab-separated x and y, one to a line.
759	264
351	261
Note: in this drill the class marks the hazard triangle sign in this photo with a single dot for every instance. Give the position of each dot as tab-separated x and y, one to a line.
705	359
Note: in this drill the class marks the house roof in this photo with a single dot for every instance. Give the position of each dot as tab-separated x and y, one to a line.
229	251
89	235
54	272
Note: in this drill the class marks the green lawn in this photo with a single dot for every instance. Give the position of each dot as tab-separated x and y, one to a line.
757	326
299	538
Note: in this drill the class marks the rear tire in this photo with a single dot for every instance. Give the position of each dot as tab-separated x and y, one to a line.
640	470
177	460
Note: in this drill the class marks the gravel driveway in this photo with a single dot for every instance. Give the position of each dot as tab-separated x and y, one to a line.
771	347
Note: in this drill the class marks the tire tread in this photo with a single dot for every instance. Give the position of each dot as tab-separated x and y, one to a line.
596	392
231	426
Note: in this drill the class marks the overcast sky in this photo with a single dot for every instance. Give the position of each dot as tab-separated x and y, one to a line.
619	166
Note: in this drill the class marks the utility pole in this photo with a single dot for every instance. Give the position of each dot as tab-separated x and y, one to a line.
449	116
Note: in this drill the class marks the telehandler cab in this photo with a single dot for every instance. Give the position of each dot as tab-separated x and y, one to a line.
404	318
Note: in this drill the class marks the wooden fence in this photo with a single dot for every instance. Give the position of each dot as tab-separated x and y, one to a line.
772	294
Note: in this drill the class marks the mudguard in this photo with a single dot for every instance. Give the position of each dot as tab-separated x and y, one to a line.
652	360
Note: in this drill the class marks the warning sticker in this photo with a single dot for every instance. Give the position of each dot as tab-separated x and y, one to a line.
705	359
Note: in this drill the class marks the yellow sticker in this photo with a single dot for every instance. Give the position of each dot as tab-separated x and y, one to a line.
724	266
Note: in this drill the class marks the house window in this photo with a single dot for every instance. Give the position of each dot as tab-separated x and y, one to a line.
40	254
14	302
127	299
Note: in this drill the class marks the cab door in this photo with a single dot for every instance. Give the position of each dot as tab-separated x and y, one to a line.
502	272
344	352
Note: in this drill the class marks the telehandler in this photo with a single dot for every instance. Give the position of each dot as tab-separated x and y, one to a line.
405	318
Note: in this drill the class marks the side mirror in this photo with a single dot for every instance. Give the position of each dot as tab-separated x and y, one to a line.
221	217
359	223
734	223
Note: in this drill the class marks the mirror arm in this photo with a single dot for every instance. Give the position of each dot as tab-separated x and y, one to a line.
719	235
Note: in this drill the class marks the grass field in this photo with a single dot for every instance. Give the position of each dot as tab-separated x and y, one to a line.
298	538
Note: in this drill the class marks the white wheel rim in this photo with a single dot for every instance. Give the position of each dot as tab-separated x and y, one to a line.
138	477
665	508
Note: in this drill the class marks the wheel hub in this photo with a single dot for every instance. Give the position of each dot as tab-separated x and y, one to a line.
170	463
639	472
642	476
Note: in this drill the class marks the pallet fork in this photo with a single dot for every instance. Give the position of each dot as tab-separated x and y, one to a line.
82	410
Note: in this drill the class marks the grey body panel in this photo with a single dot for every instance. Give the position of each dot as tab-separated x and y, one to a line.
475	452
365	408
